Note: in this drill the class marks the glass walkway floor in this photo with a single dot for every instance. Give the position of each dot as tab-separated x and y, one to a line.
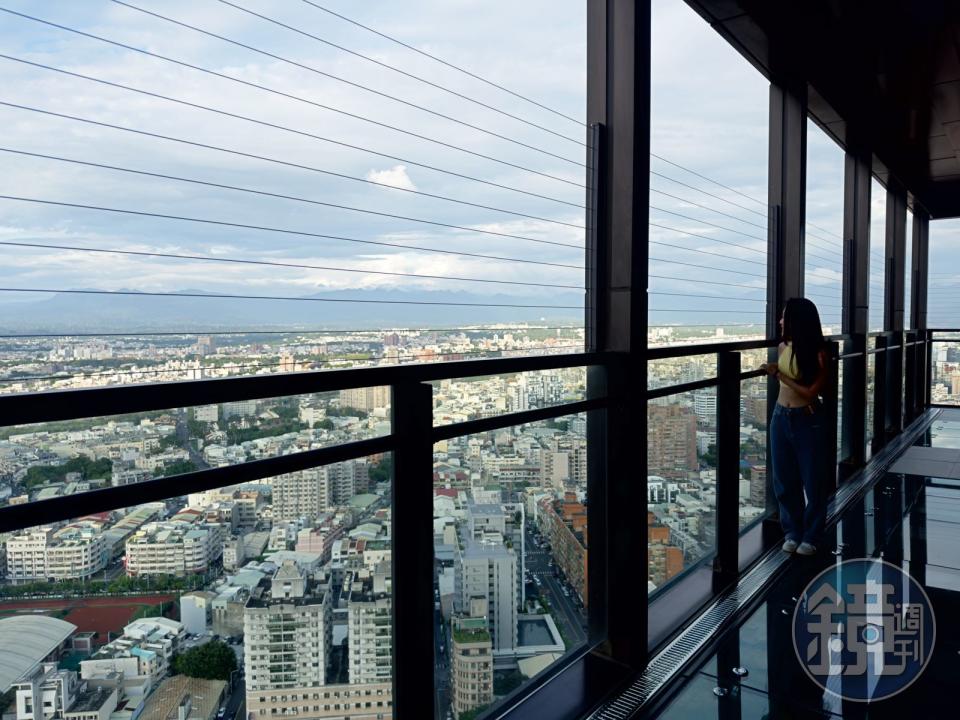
911	519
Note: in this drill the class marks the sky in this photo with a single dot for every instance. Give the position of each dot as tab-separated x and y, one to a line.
708	136
492	38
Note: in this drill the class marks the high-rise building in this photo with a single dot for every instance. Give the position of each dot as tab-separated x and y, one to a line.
206	345
301	494
287	633
758	485
346	479
370	625
705	406
671	441
367	399
313	492
488	569
472	664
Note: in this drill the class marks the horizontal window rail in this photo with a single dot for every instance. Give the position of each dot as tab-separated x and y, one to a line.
57	405
74	404
41	512
51	406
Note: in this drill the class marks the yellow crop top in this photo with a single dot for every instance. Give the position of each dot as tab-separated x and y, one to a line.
786	363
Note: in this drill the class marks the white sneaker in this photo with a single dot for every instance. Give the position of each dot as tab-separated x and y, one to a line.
806	549
789	545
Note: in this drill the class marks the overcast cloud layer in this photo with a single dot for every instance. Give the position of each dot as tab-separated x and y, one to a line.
709	116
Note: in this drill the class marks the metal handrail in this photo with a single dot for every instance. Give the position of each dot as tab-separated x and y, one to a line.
18	409
56	405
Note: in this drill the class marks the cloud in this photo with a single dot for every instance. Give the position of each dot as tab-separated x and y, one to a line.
396	176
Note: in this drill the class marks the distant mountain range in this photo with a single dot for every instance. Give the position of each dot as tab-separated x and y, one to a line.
70	312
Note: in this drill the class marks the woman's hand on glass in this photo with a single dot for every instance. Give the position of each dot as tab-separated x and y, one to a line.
770	368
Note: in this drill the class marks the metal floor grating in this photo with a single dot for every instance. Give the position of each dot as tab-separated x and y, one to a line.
682	650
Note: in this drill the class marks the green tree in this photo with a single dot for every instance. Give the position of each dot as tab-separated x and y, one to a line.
347	412
709	458
214	660
169	441
177	467
88	469
382	471
287	411
506	683
6	699
325	424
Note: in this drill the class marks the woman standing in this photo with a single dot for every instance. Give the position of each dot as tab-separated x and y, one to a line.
796	437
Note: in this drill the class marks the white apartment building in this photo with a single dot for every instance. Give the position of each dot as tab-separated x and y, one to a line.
27	555
142	655
206	413
77	551
244	504
366	399
287	633
52	693
233	552
471	670
488	569
173	548
196	609
311	493
48	692
370	625
300	494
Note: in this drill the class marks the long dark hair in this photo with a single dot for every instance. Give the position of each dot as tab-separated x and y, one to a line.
801	326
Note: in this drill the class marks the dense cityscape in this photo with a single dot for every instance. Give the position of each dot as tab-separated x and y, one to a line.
286	583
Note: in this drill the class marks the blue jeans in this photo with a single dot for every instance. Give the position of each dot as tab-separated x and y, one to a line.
796	449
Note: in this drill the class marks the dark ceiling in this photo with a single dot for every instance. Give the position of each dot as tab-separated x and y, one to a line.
882	76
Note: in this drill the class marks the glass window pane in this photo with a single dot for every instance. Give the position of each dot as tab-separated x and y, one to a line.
908	275
943	301
945	369
510	546
473	398
708	184
753	450
688	368
840	366
63	458
943	310
681	483
871	396
878	254
336	211
823	252
298	607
